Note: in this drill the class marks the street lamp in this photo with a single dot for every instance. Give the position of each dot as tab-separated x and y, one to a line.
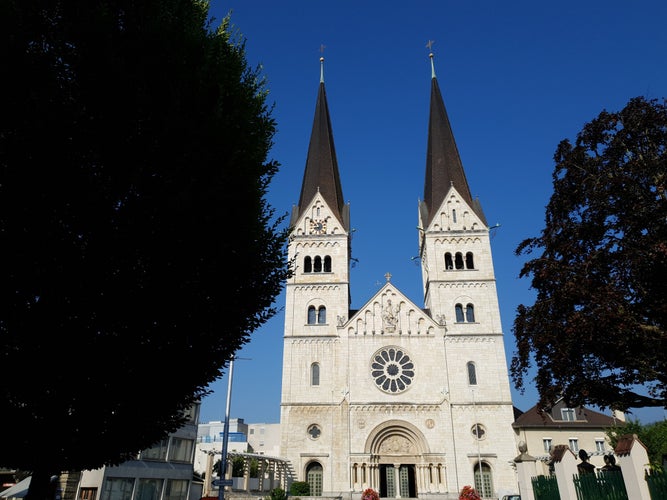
479	455
225	433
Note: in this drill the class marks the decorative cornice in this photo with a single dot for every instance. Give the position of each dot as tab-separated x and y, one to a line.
313	287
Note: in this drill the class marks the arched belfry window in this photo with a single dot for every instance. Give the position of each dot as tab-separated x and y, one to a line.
459	313
458	260
327	264
449	263
315	374
322	315
307	265
470	313
472	373
318	264
312	315
470	263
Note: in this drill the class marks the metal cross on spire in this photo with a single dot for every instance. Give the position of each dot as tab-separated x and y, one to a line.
429	45
322	47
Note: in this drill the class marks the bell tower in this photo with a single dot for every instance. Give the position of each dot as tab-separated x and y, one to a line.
317	302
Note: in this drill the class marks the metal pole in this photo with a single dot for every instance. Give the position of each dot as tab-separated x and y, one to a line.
225	437
479	455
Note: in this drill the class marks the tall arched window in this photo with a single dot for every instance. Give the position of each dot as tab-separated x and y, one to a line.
470	263
327	264
470	313
458	260
315	374
449	264
472	373
307	265
454	215
322	315
312	315
483	480
459	313
318	264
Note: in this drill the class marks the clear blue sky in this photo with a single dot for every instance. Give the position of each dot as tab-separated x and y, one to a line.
517	77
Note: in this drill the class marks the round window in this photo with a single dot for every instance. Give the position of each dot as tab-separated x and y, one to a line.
478	431
314	431
392	369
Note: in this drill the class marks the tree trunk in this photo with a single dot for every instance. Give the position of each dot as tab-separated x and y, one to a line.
43	486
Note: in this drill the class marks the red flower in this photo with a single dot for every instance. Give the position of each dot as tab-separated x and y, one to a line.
370	494
469	493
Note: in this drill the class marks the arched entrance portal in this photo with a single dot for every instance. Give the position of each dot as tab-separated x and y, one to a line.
397	481
398	463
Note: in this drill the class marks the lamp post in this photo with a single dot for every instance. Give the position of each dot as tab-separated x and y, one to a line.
479	454
225	432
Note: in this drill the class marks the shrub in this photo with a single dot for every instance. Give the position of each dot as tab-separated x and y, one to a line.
277	494
299	488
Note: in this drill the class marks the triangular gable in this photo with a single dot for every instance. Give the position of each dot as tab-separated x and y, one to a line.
315	213
454	214
390	312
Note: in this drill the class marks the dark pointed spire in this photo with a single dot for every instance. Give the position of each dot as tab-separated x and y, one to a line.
321	173
443	163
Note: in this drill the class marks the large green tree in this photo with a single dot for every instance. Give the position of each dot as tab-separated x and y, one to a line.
139	249
596	332
652	435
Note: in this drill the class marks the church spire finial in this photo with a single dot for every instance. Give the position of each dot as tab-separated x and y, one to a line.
430	55
322	64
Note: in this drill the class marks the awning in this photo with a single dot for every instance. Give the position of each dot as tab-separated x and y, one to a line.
19	490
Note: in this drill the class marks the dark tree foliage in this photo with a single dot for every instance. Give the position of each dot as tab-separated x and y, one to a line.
596	331
139	250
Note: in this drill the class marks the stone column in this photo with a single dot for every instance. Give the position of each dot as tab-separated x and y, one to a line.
632	458
397	480
565	465
526	469
246	474
421	478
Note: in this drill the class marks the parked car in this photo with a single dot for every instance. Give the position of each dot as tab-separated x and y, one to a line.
512	497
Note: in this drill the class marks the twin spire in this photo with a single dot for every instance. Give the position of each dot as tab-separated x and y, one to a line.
321	174
443	163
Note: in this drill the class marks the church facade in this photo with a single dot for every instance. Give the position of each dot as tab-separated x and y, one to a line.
412	401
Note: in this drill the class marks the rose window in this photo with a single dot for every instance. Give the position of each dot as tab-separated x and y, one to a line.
392	369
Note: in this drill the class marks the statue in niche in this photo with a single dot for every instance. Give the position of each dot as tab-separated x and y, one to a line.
389	317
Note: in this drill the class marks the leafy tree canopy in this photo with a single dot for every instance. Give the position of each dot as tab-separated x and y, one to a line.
596	331
140	252
652	435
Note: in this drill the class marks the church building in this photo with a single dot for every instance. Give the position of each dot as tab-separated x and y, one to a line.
412	401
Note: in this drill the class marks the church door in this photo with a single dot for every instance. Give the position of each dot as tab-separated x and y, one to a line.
397	482
314	479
